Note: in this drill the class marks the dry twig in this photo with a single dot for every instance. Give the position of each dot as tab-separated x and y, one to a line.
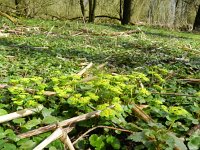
190	80
85	69
62	123
108	127
54	136
13	20
19	114
67	142
174	94
141	114
102	65
58	133
50	31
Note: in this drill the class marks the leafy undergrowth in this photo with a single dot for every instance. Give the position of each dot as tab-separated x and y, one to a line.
153	70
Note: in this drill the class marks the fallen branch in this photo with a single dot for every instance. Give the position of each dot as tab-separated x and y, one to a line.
141	114
13	20
62	123
67	142
85	69
54	136
50	31
86	31
124	33
58	133
108	127
190	80
100	16
102	65
19	114
3	35
174	94
15	32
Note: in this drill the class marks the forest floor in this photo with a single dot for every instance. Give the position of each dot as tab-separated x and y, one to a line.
164	65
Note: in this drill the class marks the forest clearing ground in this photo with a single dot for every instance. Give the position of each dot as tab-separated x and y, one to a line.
45	51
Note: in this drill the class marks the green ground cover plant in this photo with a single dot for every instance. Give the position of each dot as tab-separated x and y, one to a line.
155	71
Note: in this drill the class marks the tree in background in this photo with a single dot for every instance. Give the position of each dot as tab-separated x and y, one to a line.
22	7
197	20
126	12
121	9
83	4
17	3
92	7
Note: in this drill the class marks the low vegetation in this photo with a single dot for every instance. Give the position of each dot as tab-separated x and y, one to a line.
145	81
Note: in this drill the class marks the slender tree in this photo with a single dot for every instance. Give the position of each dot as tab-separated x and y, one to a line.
197	20
17	3
126	12
121	9
92	7
82	8
83	4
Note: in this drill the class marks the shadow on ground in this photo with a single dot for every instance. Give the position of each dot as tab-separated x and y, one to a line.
130	56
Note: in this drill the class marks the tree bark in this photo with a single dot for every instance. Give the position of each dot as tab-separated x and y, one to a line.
126	12
120	10
196	25
92	6
17	2
82	8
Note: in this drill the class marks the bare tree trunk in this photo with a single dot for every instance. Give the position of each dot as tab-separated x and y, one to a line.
126	12
176	11
17	3
82	8
196	25
120	9
92	6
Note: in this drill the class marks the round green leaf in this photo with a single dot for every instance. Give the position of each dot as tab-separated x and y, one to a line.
3	112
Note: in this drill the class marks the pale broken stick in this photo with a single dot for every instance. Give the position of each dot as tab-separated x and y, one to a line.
85	69
54	136
19	114
62	123
67	142
50	31
58	133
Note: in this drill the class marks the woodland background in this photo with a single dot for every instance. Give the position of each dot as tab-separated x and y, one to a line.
169	13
